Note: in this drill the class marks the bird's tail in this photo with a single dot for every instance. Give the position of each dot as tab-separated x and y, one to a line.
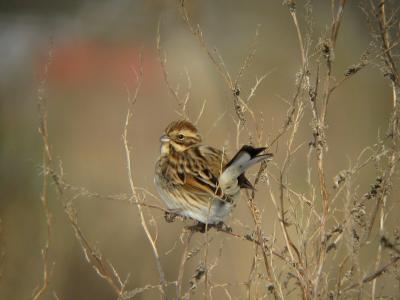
233	178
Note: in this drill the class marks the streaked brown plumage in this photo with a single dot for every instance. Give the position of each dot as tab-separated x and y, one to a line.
199	181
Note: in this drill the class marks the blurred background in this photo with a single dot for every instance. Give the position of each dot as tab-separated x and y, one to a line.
96	43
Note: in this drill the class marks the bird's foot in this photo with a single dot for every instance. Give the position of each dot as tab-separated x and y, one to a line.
199	227
170	216
202	227
221	226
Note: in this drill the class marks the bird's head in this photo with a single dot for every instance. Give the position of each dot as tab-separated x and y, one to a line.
179	135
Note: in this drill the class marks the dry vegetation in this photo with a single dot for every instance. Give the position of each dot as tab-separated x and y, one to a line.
314	251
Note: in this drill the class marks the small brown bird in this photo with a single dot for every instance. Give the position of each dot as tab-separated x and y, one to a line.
199	181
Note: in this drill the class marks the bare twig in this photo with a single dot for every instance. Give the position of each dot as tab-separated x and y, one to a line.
46	160
131	101
181	102
94	257
184	258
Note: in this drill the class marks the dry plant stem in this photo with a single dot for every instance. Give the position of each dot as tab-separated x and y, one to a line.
251	274
305	75
319	134
256	242
94	258
253	208
283	222
329	59
292	11
324	194
257	222
280	208
288	240
379	254
240	105
203	106
207	244
381	205
46	158
102	267
348	233
182	264
340	276
45	250
83	192
214	57
319	123
248	59
384	34
137	291
307	269
285	127
337	21
131	101
374	275
393	127
182	103
289	118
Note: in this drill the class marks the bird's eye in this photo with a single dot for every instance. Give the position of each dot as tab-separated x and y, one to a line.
180	136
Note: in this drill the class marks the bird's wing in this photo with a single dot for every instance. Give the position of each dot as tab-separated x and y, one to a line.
202	168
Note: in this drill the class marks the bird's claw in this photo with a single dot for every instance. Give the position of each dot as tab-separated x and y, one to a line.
221	226
202	227
199	227
170	216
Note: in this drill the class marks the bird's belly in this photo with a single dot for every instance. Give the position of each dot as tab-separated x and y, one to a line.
212	211
212	214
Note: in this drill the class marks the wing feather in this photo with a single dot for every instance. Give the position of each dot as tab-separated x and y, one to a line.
202	170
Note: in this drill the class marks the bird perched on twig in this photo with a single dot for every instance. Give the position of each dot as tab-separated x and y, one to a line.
199	181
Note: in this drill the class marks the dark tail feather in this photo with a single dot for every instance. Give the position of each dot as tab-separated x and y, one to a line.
244	183
253	152
252	158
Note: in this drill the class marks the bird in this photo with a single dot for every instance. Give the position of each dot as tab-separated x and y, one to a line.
199	181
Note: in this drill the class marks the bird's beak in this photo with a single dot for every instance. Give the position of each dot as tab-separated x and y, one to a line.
164	139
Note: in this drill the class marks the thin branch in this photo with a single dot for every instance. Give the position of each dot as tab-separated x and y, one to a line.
181	102
182	264
131	101
46	160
